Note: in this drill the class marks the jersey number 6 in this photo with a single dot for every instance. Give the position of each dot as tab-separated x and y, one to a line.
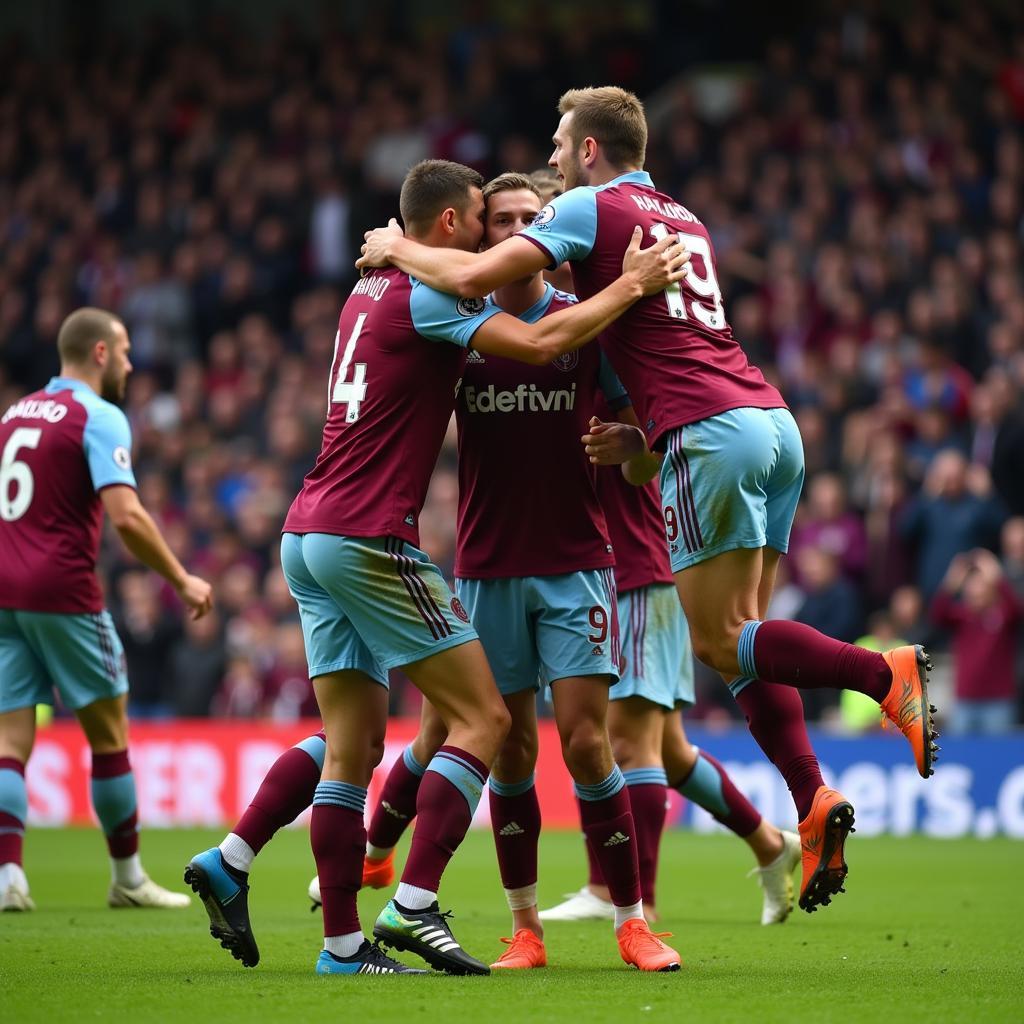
12	472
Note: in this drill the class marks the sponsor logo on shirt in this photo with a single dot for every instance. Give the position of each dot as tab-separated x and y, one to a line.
566	362
470	307
122	457
410	520
33	409
525	398
459	610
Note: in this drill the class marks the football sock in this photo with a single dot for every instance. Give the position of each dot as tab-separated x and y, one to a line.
344	945
624	914
397	805
237	853
338	837
13	810
113	799
793	654
608	825
448	796
646	788
515	822
412	897
286	791
775	716
708	785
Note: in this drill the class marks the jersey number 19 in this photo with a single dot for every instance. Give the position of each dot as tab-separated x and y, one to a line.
711	315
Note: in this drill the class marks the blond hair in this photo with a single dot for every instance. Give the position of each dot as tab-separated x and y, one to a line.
613	117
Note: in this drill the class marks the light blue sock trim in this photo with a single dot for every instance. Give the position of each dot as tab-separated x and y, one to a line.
645	777
745	648
340	794
412	764
739	684
511	788
602	790
113	800
464	777
316	747
704	787
14	794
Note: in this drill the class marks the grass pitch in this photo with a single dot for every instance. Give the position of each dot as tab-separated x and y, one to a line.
929	930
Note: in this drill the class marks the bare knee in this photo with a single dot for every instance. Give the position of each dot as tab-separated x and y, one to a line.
716	648
518	755
586	751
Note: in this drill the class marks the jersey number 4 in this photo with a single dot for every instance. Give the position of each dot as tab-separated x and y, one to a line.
710	314
351	391
17	484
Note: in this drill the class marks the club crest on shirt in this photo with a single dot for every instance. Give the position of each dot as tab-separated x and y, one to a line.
122	457
566	362
544	217
470	307
459	610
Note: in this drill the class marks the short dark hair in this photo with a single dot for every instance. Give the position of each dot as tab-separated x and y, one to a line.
80	332
612	116
431	187
510	181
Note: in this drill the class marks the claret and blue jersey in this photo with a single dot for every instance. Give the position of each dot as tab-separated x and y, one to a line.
674	351
58	448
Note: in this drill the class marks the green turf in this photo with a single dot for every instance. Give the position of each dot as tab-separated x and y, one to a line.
930	930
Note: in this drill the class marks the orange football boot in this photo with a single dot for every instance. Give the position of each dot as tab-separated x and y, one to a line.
822	837
379	874
644	949
524	950
906	705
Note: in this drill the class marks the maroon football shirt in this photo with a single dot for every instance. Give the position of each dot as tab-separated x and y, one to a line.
391	391
527	495
635	525
674	350
59	448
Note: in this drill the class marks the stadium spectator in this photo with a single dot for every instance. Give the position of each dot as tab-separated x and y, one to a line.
978	605
955	512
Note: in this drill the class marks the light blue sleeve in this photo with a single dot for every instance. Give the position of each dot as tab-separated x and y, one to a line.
107	440
442	317
614	390
566	228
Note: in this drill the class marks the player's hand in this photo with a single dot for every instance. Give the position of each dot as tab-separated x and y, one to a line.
659	265
375	249
611	444
197	595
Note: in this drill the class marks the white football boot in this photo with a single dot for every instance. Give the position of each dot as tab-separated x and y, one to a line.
146	894
776	879
14	889
581	906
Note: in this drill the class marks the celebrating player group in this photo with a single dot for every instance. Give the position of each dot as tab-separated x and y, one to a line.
574	568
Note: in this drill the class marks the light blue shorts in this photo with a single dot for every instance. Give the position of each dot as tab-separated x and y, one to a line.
731	481
657	659
369	603
538	629
79	656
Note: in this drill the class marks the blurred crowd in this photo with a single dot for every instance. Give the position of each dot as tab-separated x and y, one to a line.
866	200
